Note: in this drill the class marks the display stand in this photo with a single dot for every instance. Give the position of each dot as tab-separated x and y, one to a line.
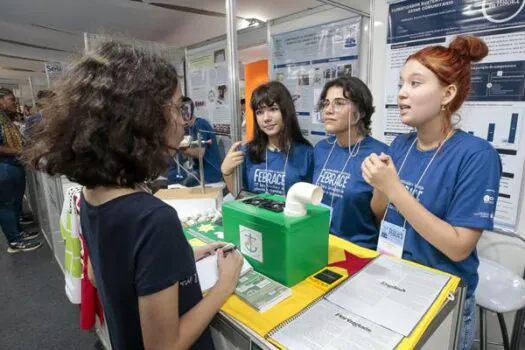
35	193
442	333
230	334
439	329
46	196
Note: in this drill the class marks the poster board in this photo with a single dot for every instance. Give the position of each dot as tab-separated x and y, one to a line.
305	59
495	108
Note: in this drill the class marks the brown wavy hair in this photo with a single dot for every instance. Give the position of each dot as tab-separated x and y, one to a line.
452	65
266	95
356	91
108	121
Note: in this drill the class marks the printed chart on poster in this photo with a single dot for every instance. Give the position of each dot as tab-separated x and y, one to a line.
495	108
304	60
207	84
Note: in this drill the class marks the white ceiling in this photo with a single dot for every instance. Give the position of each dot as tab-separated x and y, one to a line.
32	32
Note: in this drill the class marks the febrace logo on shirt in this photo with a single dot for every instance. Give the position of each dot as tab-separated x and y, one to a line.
272	180
416	192
333	182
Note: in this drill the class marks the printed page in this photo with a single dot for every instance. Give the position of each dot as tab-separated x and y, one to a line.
391	293
327	326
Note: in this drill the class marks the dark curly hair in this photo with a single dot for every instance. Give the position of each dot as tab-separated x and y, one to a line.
356	91
43	97
266	95
108	121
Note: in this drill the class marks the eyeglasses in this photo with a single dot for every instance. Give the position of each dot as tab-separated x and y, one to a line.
337	104
176	113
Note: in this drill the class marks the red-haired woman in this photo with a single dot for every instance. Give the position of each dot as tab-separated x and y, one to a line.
436	192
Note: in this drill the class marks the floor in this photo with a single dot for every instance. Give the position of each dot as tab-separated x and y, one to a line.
35	312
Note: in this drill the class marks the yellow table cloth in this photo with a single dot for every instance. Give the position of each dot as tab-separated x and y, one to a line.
309	291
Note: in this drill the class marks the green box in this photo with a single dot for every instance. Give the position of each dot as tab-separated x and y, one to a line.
286	249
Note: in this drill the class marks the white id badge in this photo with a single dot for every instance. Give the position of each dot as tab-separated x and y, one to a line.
329	208
391	239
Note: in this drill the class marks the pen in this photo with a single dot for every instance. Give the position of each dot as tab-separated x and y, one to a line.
225	249
229	248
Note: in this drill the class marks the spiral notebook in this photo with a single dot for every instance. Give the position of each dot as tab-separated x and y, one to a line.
324	325
391	293
333	321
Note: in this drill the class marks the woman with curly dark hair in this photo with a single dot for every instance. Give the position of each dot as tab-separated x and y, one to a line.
111	126
346	107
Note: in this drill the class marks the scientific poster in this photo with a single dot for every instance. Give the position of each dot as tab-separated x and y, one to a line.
495	108
304	60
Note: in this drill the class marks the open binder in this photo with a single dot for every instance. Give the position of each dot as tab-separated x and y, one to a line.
335	321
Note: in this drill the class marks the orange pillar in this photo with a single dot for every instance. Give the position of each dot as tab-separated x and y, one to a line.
255	74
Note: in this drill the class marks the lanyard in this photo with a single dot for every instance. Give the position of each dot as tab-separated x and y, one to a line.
284	170
424	171
352	153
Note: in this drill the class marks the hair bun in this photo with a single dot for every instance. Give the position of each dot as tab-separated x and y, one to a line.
470	47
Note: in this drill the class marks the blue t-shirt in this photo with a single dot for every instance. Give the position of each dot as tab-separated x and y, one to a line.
460	187
211	159
278	180
346	191
137	247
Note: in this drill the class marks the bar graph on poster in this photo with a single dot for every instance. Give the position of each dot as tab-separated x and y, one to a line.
500	125
484	125
495	107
